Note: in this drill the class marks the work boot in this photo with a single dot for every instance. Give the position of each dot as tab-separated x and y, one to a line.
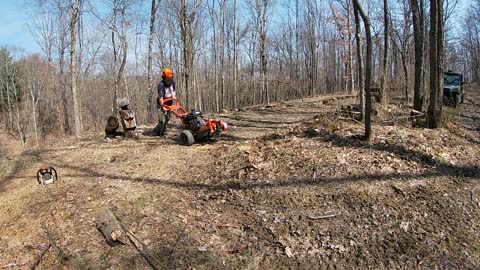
158	130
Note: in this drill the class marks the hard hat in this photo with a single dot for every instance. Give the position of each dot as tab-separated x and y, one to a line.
167	73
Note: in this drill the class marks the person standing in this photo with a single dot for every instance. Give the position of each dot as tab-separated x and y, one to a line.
166	90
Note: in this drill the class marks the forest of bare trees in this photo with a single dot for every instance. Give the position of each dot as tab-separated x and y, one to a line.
227	54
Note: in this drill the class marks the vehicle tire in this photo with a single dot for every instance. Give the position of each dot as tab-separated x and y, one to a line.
455	100
463	96
186	137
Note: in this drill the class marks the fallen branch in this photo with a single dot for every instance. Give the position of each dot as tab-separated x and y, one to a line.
53	244
38	257
12	265
322	217
349	118
139	246
229	226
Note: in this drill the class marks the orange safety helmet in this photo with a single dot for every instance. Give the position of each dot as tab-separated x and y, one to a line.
167	73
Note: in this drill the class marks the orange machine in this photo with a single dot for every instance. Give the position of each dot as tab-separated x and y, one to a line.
195	126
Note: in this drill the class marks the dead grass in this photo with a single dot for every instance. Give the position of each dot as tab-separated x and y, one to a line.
242	202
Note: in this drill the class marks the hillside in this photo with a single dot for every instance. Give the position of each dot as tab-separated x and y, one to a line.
288	186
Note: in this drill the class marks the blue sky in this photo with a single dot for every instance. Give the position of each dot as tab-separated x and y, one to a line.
14	17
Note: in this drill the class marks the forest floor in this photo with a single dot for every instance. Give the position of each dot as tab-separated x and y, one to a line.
288	186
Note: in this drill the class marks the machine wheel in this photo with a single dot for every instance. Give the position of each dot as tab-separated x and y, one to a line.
186	137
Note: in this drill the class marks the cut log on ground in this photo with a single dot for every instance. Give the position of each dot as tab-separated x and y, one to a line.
108	224
116	233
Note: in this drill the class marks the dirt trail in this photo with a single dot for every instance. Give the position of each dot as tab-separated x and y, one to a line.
252	198
470	114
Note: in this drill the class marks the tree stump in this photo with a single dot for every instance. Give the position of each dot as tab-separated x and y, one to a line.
111	127
109	225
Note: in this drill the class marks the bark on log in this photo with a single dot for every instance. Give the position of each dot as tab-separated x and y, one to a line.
109	225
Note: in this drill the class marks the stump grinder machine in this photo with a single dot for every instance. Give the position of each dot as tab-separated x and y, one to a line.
196	127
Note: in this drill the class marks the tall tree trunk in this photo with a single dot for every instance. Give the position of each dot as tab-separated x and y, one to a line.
405	71
368	71
434	112
73	73
222	53
418	25
383	93
263	51
150	90
115	56
214	56
361	89
124	42
350	50
186	21
21	134
63	88
235	83
31	87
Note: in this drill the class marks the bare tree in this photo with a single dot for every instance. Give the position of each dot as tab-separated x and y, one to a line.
186	17
264	10
401	40
150	89
344	27
434	112
74	10
121	51
10	77
213	17
417	7
471	42
235	64
35	80
368	70
259	12
358	39
384	88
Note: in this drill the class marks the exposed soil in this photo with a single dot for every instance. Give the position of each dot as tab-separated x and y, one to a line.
289	186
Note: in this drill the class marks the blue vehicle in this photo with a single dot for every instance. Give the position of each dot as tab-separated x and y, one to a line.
452	88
